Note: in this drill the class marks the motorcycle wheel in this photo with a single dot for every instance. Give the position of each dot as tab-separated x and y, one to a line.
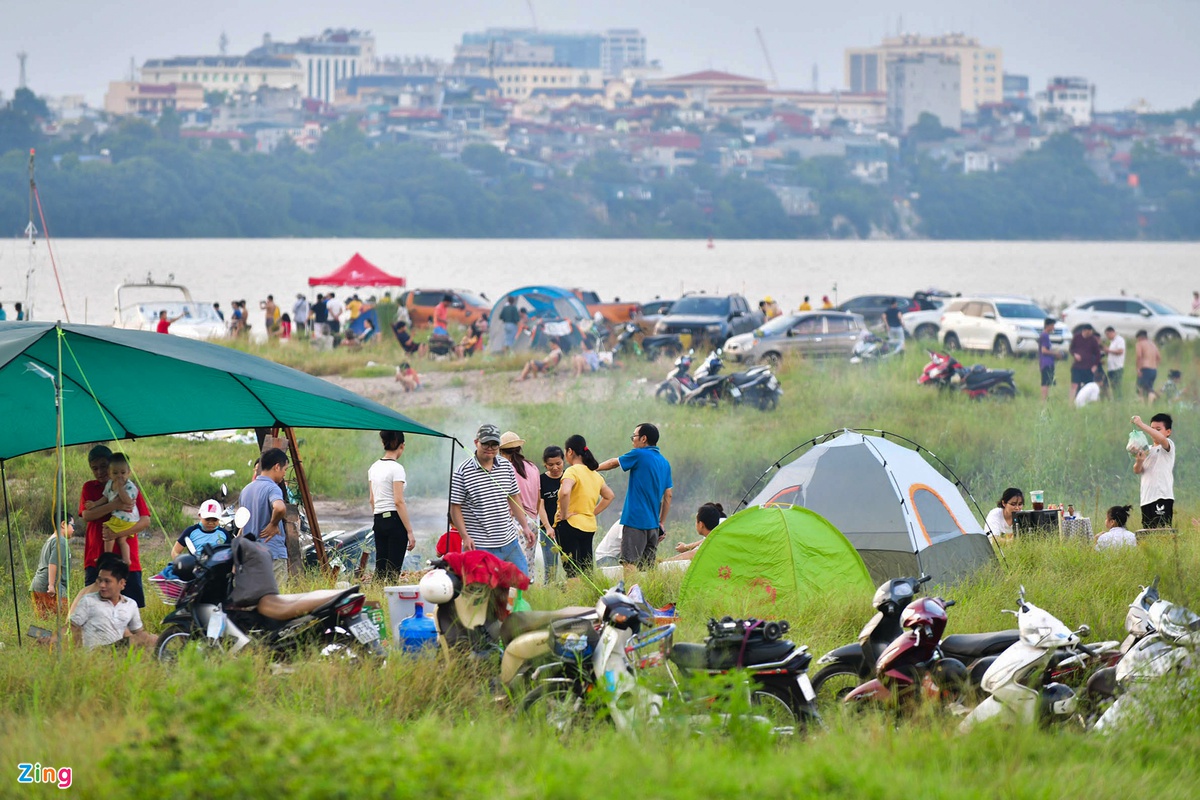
832	684
768	402
343	645
668	393
778	705
171	643
557	705
1002	391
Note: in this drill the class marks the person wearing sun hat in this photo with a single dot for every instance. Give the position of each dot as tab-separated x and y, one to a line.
529	482
769	307
485	502
207	531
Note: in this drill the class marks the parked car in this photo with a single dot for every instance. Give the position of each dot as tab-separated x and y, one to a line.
871	306
711	318
465	306
1128	315
615	312
652	312
1002	324
801	333
926	321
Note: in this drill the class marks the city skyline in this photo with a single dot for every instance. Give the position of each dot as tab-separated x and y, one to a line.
1129	52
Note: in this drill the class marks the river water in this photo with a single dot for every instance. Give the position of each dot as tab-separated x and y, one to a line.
225	269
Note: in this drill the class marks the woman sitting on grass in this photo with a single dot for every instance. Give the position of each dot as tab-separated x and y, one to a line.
1116	535
708	517
1000	519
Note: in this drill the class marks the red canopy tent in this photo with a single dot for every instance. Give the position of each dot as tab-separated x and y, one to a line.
357	272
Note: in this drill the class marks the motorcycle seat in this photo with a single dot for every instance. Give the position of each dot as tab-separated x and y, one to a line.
525	621
702	656
283	607
689	655
974	645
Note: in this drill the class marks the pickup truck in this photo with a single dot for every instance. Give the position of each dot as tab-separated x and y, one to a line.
710	318
615	312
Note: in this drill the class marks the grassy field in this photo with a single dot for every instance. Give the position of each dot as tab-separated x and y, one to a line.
240	728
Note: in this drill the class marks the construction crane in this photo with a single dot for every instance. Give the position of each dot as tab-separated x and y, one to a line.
767	55
532	14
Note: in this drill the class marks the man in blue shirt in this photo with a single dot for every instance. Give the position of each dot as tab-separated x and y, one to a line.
647	499
263	496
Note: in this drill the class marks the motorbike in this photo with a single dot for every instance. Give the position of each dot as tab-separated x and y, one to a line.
604	659
632	340
681	387
756	386
848	666
479	620
281	623
1017	684
913	668
1169	635
945	372
870	347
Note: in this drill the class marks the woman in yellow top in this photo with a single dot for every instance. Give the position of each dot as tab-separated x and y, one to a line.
581	497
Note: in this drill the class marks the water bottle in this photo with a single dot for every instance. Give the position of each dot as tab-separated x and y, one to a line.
418	631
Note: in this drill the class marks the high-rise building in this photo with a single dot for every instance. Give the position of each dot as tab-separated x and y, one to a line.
1071	99
981	69
325	59
924	84
610	51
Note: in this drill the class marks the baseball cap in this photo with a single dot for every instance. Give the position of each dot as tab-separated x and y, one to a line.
210	509
488	434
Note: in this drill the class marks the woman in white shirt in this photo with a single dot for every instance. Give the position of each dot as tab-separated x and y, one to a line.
1000	519
1116	535
385	488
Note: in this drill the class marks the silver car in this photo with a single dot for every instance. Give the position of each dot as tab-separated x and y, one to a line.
801	333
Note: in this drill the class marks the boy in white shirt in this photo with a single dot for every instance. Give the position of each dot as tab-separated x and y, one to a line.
1157	468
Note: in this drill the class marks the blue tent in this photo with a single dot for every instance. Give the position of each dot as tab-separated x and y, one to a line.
545	305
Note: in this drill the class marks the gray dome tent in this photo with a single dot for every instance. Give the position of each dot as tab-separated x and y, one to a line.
901	514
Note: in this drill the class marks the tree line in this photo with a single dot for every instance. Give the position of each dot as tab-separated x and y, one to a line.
152	183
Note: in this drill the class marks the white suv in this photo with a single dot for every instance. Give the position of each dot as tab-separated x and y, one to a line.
1002	325
1128	315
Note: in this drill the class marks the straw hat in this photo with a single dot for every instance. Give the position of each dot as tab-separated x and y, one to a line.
509	440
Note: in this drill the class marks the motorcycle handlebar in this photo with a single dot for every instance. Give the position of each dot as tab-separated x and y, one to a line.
1084	648
924	579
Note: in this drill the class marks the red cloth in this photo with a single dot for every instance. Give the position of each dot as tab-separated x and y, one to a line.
93	541
163	326
449	542
479	566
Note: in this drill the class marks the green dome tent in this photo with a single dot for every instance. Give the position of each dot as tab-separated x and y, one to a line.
769	560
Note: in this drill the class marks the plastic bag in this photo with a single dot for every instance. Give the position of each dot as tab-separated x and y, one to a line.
1139	442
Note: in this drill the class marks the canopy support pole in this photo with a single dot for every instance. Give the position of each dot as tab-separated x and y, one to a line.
306	498
12	564
450	487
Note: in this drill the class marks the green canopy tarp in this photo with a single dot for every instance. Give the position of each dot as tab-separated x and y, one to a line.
768	561
120	384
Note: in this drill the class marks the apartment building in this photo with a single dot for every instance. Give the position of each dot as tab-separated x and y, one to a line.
981	69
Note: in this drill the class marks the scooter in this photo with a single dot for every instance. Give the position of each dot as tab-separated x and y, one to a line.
870	347
682	388
631	339
479	619
606	663
1172	633
945	372
282	623
850	665
1015	683
756	386
913	668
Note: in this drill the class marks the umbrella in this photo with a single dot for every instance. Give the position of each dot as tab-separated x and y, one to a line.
119	384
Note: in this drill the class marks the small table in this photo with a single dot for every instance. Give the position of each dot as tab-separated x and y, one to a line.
1079	526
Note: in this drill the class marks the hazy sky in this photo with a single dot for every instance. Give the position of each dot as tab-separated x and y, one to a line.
1129	48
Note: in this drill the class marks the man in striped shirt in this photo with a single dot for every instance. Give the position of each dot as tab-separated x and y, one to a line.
484	504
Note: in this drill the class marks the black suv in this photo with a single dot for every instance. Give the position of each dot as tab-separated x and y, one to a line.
712	318
872	306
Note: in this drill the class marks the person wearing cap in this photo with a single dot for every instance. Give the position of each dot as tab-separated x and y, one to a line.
529	481
300	312
485	502
207	531
769	307
826	304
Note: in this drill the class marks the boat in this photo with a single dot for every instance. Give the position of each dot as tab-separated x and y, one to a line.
138	306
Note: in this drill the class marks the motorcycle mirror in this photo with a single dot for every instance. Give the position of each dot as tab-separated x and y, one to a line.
241	517
224	490
1022	594
1084	630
